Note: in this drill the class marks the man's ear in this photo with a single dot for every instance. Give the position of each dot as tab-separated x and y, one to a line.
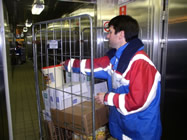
122	34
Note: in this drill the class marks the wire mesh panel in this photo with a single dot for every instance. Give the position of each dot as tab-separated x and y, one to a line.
66	107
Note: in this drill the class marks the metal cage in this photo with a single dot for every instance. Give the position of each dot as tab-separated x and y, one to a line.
55	41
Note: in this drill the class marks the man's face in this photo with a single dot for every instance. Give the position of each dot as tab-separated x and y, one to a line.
113	38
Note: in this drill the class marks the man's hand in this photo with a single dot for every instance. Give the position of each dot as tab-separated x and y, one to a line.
100	98
63	63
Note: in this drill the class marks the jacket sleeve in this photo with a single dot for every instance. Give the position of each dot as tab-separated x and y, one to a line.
143	80
101	66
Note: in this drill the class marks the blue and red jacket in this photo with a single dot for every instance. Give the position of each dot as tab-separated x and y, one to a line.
134	90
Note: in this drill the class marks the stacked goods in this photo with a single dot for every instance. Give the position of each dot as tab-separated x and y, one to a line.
100	134
53	76
68	95
46	99
78	118
63	97
58	133
76	77
68	108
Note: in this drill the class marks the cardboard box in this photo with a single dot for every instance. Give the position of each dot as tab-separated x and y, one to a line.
78	118
75	77
53	75
68	102
46	115
68	95
46	100
99	87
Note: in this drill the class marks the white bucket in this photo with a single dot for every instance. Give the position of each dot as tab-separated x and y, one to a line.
53	75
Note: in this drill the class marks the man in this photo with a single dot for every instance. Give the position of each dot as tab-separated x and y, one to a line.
133	82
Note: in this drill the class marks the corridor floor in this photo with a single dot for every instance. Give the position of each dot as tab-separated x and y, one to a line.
23	103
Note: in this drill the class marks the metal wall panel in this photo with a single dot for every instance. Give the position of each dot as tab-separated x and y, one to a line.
148	14
177	40
106	10
5	112
175	98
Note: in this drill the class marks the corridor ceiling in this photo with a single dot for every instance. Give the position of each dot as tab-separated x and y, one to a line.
20	10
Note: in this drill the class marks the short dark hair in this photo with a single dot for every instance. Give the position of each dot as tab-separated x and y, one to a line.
125	23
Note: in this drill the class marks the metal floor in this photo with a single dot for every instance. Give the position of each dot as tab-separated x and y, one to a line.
23	103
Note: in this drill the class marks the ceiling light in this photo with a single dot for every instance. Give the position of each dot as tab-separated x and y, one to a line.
37	7
25	29
28	24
